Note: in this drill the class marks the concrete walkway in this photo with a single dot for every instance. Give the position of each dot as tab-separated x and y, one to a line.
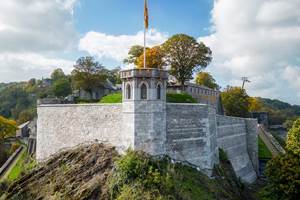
270	142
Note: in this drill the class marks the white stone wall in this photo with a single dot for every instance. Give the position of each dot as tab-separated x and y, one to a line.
64	126
186	132
238	138
191	134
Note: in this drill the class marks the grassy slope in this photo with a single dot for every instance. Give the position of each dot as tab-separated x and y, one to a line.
171	98
263	151
112	98
87	173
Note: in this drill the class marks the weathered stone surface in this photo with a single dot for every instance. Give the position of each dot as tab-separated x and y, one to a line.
144	121
238	138
191	134
65	126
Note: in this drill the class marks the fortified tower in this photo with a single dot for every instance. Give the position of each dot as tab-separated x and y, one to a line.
144	109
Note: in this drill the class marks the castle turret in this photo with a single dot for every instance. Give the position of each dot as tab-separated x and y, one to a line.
144	109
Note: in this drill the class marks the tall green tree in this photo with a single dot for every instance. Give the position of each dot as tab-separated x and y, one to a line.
236	102
185	56
88	74
206	79
58	74
134	53
62	87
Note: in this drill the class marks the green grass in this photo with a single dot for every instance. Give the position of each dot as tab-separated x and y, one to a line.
171	98
263	151
112	98
180	98
17	169
24	163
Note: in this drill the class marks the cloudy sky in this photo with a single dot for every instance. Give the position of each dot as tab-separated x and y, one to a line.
259	39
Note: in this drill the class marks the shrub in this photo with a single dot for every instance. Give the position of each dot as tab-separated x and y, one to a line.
112	98
283	174
180	98
139	176
293	138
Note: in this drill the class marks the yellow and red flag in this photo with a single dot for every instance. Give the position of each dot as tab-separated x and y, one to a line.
146	17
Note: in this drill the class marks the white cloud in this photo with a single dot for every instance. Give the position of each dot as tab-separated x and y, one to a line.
31	31
259	39
116	47
23	66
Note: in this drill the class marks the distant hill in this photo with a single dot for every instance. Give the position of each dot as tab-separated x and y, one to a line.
279	111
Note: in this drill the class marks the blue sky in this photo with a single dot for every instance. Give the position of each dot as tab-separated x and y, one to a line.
118	17
255	38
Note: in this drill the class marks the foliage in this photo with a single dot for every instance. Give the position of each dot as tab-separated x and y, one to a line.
88	74
293	138
263	151
114	76
180	98
58	74
134	53
14	99
18	168
112	98
288	124
7	128
62	87
255	104
206	79
140	176
283	173
26	115
185	56
236	102
222	155
14	146
154	58
279	111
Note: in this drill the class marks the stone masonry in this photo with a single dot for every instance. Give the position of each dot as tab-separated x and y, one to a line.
191	133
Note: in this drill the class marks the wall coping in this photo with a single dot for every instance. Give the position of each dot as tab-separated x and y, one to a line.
78	105
189	104
242	118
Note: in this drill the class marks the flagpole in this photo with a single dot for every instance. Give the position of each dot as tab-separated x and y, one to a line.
144	47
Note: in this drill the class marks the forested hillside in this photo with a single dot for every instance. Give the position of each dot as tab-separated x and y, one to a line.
279	111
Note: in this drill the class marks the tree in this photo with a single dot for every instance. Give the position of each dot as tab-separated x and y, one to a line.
206	79
236	102
134	53
57	74
288	124
293	138
7	128
254	104
185	56
114	76
25	115
88	74
154	58
62	88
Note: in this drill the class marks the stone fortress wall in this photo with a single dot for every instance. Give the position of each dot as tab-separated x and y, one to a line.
144	121
193	133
